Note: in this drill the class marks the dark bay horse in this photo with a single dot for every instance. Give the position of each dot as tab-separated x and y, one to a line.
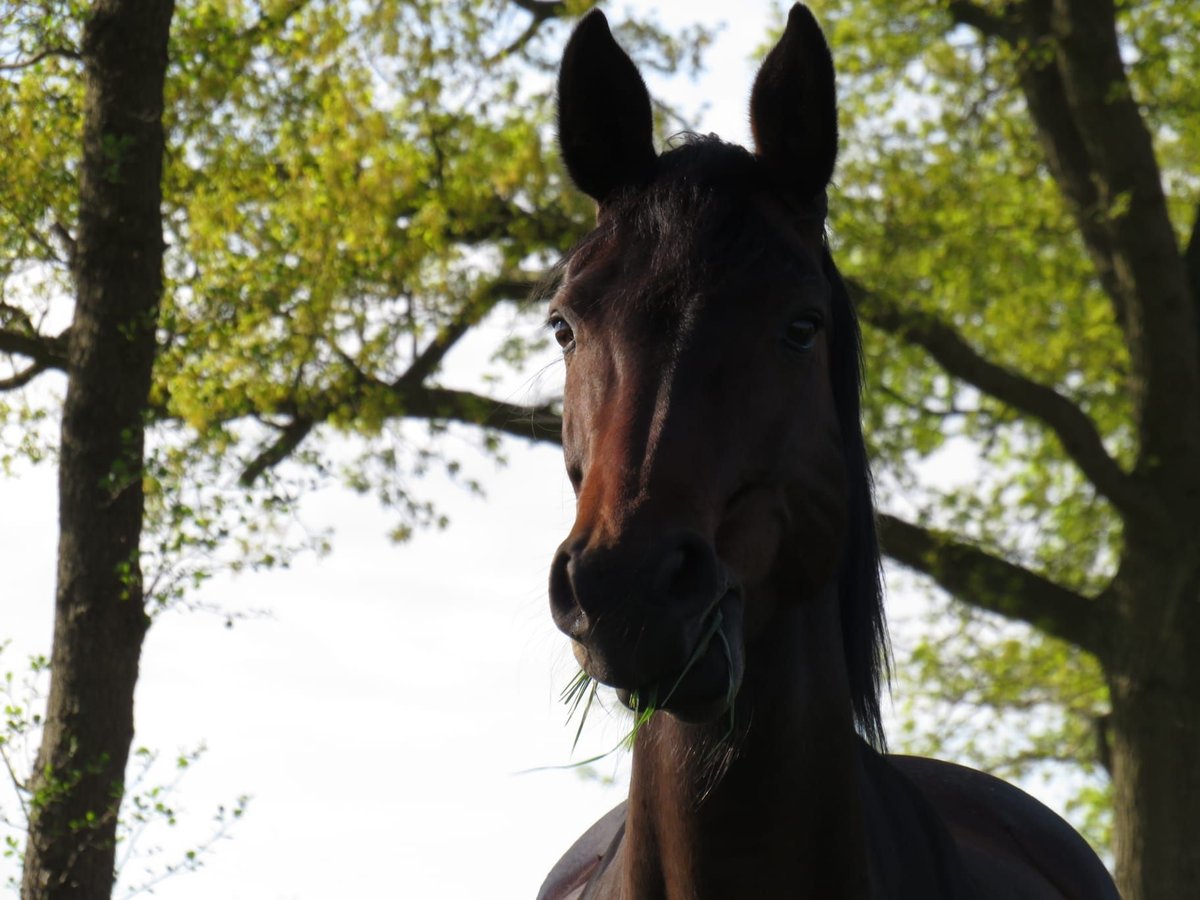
723	565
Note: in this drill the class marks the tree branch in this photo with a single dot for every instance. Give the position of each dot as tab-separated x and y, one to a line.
290	438
45	351
535	423
982	20
431	357
1072	169
987	582
540	13
519	42
1100	154
21	378
542	10
1074	428
62	52
1164	344
14	315
409	397
64	236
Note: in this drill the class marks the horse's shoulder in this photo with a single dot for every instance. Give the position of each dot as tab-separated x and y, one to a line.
577	865
998	826
913	853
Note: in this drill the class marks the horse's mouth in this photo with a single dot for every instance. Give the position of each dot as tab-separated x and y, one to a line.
706	686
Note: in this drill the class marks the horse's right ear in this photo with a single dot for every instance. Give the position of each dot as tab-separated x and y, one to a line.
793	108
605	125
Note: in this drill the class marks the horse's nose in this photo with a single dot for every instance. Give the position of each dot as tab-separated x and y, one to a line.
685	575
678	574
568	615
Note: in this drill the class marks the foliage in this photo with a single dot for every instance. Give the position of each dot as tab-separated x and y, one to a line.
948	211
995	695
150	816
348	190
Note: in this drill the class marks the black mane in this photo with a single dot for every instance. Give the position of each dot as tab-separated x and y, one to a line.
693	218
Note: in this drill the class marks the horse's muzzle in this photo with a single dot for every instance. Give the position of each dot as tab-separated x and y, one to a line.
655	619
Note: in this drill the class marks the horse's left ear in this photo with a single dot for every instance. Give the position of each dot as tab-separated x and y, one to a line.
605	124
793	108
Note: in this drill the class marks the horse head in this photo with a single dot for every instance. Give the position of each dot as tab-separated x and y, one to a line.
710	413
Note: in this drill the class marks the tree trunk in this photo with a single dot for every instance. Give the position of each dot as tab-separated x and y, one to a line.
1156	780
1154	683
99	616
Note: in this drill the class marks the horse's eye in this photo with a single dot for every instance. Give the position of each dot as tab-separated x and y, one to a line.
802	333
562	332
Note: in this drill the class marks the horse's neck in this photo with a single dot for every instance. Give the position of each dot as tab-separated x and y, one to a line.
785	817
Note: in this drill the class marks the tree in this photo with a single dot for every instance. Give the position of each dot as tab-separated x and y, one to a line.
263	221
1018	214
100	621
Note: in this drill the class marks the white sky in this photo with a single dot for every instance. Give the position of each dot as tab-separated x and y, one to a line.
380	717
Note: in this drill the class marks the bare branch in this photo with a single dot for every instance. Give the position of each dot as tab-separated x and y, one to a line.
67	240
518	44
290	438
22	378
1074	429
409	396
494	292
540	13
61	52
542	10
46	351
948	412
982	20
534	423
985	581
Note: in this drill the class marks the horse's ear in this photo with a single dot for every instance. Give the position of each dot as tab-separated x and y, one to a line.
793	108
605	126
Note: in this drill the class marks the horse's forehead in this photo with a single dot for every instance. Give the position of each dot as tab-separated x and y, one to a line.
729	254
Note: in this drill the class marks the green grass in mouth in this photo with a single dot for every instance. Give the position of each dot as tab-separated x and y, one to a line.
579	694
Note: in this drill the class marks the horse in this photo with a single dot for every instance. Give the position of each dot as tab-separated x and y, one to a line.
723	572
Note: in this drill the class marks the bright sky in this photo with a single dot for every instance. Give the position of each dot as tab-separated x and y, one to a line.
381	716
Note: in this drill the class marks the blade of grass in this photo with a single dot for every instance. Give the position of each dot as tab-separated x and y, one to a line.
583	718
581	691
701	648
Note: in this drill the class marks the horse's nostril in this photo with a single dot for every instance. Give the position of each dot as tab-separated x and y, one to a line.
686	574
670	574
590	585
567	614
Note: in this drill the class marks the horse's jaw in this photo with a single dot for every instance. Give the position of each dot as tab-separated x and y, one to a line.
706	688
747	800
798	648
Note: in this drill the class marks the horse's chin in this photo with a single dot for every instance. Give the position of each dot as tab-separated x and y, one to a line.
706	689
